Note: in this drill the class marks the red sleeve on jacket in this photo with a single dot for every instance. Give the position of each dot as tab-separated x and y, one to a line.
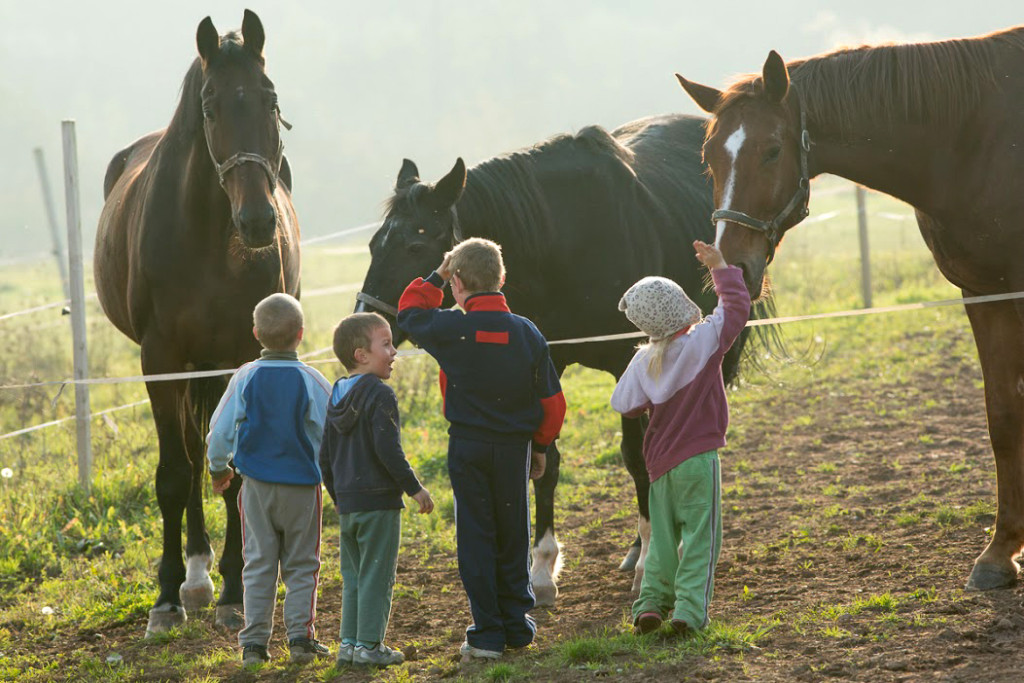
554	416
420	294
442	380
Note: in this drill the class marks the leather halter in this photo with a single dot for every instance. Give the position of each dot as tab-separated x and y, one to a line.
385	307
798	203
377	303
272	167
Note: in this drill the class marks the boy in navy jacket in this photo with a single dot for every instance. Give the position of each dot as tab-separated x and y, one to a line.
366	472
504	404
269	422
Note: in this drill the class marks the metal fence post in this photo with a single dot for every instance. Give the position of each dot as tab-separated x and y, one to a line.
51	215
81	357
865	253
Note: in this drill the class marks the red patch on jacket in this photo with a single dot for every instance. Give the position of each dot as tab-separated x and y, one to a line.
491	337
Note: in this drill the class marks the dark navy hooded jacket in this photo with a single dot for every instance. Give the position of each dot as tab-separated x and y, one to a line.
497	378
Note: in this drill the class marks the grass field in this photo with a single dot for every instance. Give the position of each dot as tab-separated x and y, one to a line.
858	486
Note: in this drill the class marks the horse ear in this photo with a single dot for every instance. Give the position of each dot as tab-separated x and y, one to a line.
706	97
409	175
207	40
775	77
449	188
252	32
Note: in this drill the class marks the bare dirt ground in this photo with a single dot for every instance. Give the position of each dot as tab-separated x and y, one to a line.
851	525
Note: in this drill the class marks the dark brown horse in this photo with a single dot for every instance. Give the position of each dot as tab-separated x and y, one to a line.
191	237
937	125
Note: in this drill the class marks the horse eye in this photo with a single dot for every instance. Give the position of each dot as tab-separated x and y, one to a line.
416	248
772	154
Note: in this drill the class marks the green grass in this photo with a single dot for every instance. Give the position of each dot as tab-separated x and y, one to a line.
90	556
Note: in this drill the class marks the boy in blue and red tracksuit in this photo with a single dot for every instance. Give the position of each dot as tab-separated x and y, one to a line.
504	404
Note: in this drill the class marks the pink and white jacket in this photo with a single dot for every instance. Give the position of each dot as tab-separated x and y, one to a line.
688	409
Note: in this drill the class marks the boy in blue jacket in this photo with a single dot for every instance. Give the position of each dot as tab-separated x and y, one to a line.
366	472
269	422
504	404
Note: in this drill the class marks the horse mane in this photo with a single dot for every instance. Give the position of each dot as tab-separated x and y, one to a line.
938	83
503	195
188	116
505	191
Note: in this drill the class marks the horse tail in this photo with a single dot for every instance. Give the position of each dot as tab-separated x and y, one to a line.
204	394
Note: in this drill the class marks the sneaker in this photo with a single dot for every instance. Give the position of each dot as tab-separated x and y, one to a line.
469	652
345	652
254	654
648	622
305	650
378	655
681	627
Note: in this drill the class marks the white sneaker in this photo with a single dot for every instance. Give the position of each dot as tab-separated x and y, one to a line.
379	655
345	652
469	652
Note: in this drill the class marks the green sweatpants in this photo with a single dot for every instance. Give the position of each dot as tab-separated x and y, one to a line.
369	558
686	537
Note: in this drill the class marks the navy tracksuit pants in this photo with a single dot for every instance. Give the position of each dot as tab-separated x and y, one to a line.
492	530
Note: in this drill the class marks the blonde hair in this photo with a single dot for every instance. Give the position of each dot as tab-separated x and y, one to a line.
478	264
278	320
655	354
355	332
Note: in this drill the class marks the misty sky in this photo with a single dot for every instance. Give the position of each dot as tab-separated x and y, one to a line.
368	83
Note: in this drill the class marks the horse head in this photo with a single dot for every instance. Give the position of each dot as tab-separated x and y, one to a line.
420	225
756	150
242	126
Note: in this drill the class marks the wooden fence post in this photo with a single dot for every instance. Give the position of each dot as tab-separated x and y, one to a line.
81	357
865	252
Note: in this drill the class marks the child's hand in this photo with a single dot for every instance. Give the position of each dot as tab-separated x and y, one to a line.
709	255
426	502
221	485
538	461
445	269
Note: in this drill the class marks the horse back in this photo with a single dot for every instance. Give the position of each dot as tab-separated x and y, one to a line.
117	233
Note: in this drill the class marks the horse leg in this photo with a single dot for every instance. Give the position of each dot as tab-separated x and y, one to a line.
633	457
999	335
173	481
546	552
197	590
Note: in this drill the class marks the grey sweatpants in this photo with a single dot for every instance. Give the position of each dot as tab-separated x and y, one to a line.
280	532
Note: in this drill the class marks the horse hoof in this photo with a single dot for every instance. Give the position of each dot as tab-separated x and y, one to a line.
545	595
987	577
630	560
638	579
197	596
164	618
230	618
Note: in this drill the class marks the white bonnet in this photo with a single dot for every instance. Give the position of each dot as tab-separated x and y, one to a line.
659	307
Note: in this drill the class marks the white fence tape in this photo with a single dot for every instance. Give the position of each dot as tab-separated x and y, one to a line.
44	425
579	340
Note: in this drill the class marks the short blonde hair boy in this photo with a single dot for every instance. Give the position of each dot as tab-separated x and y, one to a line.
478	264
278	320
355	331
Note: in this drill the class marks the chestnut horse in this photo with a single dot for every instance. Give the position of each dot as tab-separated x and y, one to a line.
936	125
197	227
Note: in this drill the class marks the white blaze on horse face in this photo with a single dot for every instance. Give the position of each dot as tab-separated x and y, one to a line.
733	144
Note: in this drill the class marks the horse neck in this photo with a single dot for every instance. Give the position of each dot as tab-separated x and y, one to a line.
504	209
895	161
184	163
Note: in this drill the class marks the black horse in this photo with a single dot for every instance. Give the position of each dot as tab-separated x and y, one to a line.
191	237
580	218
